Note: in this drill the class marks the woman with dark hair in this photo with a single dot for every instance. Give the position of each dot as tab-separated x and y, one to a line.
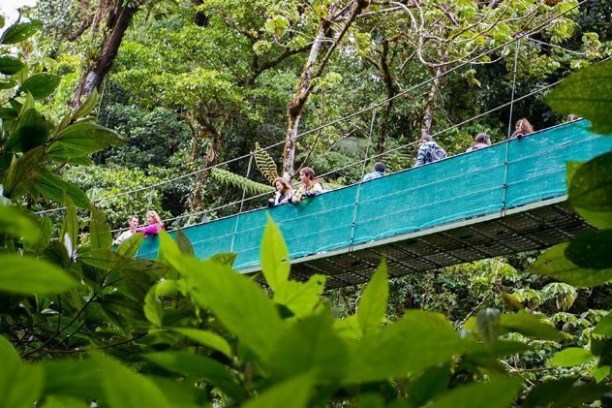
283	193
522	128
481	140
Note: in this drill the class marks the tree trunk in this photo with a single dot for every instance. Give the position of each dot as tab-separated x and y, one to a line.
295	108
430	105
203	130
391	91
118	21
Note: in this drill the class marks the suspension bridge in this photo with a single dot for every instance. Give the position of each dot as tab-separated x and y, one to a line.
504	199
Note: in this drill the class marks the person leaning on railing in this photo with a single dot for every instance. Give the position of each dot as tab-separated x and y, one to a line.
521	129
310	185
155	224
283	193
481	140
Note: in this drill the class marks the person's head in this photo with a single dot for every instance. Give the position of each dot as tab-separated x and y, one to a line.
523	126
379	167
482	138
307	175
426	138
281	185
572	117
133	221
153	217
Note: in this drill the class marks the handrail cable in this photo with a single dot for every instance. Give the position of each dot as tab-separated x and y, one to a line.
341	119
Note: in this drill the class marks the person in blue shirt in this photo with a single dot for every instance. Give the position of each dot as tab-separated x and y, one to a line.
378	171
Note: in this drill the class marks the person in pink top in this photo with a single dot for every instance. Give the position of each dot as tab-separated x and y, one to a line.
155	224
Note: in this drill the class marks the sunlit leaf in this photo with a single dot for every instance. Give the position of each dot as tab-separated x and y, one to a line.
55	188
82	138
88	106
570	357
554	263
301	297
274	256
19	224
530	325
418	341
32	131
604	326
373	302
206	338
19	32
292	393
20	274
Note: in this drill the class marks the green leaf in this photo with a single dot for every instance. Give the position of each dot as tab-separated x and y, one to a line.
32	131
429	384
75	378
563	393
63	402
239	302
99	230
530	326
604	326
28	276
591	249
206	338
19	32
40	85
69	233
130	247
418	341
495	394
373	303
55	188
292	393
310	345
197	366
224	258
274	256
22	173
590	191
20	384
124	388
87	107
570	357
183	243
587	93
82	138
7	113
19	224
554	263
301	297
487	323
152	307
10	65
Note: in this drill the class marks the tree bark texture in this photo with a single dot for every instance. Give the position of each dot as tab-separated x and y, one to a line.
430	104
118	20
295	108
391	92
203	131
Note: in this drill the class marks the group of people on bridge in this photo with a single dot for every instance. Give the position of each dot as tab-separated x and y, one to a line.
428	152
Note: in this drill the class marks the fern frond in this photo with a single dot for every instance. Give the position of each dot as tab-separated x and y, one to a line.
235	180
265	163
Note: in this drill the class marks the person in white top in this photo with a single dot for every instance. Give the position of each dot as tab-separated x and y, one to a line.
125	235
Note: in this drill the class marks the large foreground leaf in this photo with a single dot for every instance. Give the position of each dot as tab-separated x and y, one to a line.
82	138
28	276
590	191
20	384
554	263
587	93
495	394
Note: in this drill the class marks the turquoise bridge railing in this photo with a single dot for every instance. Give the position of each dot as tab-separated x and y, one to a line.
490	181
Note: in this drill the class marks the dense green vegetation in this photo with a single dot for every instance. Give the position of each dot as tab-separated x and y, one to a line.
195	83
